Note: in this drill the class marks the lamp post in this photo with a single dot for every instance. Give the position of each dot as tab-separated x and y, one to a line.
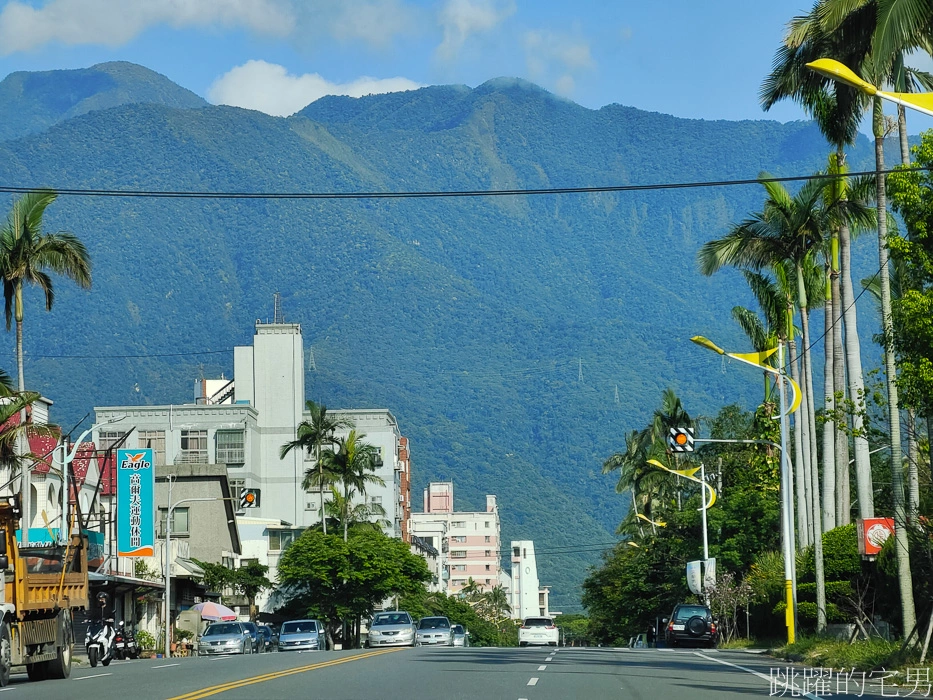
757	360
834	70
168	559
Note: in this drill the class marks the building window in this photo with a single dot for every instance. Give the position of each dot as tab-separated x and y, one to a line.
236	488
488	568
108	438
458	539
459	581
280	539
488	539
193	447
488	581
179	522
516	552
488	553
458	554
458	524
156	440
487	523
231	447
377	500
459	567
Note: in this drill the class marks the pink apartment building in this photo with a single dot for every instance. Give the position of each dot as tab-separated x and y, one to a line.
467	543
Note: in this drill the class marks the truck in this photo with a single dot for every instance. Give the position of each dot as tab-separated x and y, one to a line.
45	581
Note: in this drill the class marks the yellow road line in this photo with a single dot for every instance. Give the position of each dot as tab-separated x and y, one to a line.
215	689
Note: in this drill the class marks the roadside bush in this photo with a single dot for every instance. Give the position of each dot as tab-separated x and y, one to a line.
864	655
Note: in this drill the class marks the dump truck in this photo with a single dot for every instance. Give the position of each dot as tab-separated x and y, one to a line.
46	580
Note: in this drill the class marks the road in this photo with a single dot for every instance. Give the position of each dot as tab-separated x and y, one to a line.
450	674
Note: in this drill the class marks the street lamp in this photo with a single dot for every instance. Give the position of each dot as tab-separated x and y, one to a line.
656	523
834	70
168	559
689	474
757	359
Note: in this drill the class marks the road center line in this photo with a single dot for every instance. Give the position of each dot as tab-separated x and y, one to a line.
541	668
533	681
222	687
791	686
99	675
166	666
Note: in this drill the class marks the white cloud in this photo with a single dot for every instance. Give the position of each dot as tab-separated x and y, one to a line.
271	89
376	22
115	22
557	59
462	18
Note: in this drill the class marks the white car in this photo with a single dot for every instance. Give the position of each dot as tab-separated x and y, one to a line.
538	630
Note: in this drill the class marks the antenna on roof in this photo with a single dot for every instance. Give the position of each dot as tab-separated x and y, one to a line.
277	316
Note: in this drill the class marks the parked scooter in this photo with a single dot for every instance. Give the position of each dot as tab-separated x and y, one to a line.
124	643
99	642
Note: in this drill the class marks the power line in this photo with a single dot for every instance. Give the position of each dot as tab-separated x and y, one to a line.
428	194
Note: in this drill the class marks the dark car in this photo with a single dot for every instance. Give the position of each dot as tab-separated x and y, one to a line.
254	633
691	624
269	637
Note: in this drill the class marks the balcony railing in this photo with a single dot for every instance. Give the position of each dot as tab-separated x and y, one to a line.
191	457
231	455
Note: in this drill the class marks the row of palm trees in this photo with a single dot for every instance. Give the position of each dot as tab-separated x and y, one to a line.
344	466
795	254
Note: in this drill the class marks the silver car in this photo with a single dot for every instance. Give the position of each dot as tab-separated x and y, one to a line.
460	635
302	635
225	638
391	629
434	631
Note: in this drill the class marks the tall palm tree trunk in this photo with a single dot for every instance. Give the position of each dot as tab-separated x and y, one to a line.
843	497
829	427
802	422
21	444
320	467
856	382
807	375
803	521
905	580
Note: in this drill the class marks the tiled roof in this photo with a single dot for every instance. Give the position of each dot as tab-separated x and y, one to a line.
108	475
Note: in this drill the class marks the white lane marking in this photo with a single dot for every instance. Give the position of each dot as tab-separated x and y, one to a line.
533	681
5	689
550	658
541	668
793	688
166	666
226	657
99	675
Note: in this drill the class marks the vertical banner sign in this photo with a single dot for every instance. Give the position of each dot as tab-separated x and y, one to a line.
694	578
135	503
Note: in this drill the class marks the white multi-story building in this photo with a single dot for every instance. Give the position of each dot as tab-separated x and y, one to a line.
243	423
526	598
467	542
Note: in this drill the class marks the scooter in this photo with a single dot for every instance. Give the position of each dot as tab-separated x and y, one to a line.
99	643
124	643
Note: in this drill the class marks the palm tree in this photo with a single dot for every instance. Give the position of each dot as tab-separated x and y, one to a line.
787	231
343	511
352	465
496	604
837	110
312	435
27	255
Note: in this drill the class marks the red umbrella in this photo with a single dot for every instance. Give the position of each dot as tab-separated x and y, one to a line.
214	611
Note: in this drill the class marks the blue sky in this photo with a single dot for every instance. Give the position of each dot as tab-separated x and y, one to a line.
692	59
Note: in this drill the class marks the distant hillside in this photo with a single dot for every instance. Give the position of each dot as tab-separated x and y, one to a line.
517	339
32	102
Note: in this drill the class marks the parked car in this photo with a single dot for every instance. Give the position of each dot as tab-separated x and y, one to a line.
434	631
301	635
391	629
255	635
225	638
269	637
538	630
460	635
692	624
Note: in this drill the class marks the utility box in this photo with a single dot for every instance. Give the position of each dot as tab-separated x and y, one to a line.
872	534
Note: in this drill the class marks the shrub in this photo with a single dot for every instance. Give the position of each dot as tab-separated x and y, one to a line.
146	641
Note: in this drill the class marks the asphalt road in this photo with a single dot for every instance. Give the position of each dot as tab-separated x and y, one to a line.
452	674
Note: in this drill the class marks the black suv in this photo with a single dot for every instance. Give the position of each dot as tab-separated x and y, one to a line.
693	624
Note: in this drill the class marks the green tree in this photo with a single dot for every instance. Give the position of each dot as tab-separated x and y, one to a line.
352	465
334	579
312	435
249	580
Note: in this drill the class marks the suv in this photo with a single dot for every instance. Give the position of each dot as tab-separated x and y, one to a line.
538	630
691	623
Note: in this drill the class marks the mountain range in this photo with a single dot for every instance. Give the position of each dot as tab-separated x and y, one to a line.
516	338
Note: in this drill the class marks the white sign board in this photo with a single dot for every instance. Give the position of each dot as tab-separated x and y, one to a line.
709	575
694	582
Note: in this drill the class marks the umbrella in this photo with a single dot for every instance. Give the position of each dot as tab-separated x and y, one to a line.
214	611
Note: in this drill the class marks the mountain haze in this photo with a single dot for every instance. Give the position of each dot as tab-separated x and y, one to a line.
516	338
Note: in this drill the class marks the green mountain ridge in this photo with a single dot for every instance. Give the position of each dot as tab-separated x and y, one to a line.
471	318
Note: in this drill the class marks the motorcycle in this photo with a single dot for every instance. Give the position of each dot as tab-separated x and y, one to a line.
124	643
99	642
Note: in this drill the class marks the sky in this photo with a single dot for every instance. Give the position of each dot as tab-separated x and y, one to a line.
702	60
